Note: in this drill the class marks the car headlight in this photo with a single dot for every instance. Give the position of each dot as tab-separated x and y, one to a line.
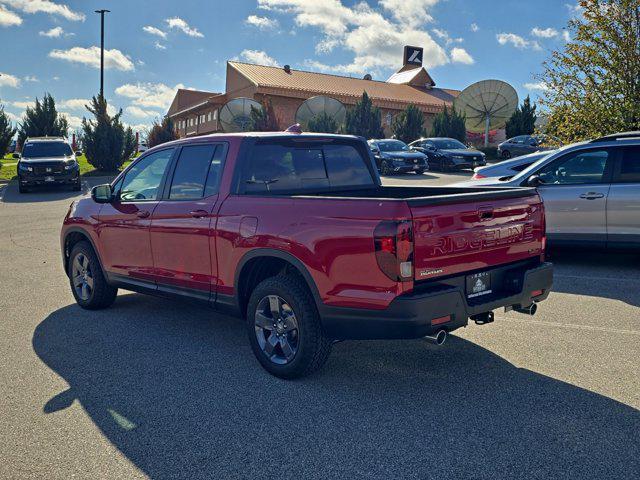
23	167
70	165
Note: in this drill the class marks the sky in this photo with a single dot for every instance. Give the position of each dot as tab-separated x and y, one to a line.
154	47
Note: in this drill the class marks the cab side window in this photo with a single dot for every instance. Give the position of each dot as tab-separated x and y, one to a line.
630	167
196	169
576	168
143	180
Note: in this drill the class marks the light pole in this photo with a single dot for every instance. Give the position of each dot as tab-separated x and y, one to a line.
102	12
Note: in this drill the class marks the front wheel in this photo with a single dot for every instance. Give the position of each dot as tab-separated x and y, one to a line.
385	169
419	172
88	284
506	154
284	328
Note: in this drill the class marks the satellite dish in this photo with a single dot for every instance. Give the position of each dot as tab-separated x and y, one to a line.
235	115
315	106
487	105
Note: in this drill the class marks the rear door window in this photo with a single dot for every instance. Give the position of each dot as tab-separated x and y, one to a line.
582	167
290	166
194	166
629	169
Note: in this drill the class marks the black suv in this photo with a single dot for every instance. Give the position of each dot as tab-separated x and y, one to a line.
447	154
393	156
47	161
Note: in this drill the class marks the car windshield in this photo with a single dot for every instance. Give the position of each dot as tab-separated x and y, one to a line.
46	149
448	144
392	146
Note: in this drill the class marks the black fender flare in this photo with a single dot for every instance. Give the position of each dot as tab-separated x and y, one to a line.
87	236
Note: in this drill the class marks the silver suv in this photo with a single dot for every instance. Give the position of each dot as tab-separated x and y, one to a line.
591	191
47	161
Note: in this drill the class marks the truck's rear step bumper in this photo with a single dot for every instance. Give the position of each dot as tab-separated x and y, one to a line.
411	316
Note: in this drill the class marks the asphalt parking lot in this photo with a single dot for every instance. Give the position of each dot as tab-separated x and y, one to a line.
161	389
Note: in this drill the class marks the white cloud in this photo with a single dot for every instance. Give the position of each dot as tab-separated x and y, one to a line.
74	122
45	6
154	31
263	23
22	105
159	46
444	35
474	27
113	59
180	24
12	116
75	103
9	18
539	86
259	57
544	32
517	41
138	112
150	95
376	41
31	78
460	55
8	80
53	33
142	128
575	9
566	36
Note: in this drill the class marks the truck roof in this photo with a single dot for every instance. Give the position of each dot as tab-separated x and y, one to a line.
45	139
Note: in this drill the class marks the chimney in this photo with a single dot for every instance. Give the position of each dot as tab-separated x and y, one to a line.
287	68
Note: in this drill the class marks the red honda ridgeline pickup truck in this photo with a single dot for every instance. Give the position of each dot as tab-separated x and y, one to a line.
295	233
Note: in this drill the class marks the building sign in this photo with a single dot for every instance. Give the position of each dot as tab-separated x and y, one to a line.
413	56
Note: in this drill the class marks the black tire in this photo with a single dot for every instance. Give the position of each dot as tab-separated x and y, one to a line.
384	168
102	295
22	189
419	172
313	347
77	186
506	154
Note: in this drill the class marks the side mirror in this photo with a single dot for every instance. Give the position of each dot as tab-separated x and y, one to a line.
16	155
78	153
534	181
102	193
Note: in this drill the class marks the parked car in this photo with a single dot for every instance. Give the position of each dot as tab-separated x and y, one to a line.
295	233
12	147
47	161
446	154
394	156
591	191
508	168
142	147
526	144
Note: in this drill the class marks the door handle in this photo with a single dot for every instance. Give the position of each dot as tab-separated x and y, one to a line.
199	213
592	195
143	213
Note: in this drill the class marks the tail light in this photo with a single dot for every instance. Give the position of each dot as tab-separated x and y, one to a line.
394	249
477	176
543	246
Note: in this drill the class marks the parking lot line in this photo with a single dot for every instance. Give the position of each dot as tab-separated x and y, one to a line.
568	325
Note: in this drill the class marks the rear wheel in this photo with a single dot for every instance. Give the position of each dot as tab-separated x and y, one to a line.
77	186
88	284
419	172
23	189
284	328
506	154
385	169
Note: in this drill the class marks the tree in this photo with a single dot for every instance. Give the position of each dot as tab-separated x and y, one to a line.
592	84
523	120
263	119
104	137
161	132
408	125
42	120
7	131
364	119
130	144
322	123
451	124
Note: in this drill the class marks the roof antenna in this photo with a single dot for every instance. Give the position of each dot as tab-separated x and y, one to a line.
295	128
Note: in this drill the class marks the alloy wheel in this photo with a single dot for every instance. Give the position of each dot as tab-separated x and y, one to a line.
82	276
276	329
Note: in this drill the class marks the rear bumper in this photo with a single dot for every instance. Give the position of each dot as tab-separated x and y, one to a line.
411	316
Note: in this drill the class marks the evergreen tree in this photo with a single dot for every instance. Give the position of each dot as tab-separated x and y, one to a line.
130	144
104	137
450	124
523	120
364	119
322	123
7	131
161	132
42	120
408	124
263	119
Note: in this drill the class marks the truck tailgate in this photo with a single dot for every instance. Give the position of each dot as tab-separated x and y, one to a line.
465	236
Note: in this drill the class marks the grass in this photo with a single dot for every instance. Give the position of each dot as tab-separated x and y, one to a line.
8	172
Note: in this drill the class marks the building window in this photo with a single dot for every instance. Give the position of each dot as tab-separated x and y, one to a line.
209	117
215	114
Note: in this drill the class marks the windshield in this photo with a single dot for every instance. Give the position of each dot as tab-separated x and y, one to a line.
448	144
392	146
46	149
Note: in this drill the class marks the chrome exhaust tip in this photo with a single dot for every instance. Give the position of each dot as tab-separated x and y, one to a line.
530	310
438	338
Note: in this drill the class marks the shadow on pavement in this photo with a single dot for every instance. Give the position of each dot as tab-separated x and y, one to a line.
597	273
9	192
464	175
177	390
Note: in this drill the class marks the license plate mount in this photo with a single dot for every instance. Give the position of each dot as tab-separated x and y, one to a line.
478	284
49	179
